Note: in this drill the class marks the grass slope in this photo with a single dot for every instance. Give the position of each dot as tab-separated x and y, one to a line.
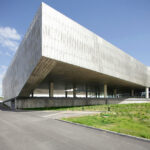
132	119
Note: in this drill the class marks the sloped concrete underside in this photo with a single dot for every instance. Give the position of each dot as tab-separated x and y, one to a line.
42	69
71	73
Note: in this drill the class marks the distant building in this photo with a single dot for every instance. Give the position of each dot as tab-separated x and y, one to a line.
60	58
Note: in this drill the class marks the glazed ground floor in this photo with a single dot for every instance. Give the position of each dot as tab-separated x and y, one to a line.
87	90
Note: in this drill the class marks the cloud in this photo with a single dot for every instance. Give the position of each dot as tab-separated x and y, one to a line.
9	38
12	45
3	69
9	33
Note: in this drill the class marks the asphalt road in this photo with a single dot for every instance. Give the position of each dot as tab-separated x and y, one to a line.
36	130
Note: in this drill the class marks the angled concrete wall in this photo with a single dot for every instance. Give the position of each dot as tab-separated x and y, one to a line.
67	41
25	60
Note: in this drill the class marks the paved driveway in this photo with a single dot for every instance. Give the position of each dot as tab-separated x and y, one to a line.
37	130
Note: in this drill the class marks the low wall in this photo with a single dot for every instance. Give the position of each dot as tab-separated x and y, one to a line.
8	103
66	102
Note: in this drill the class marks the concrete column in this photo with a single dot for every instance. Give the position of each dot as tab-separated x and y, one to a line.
66	93
105	90
51	89
96	94
74	91
146	92
132	93
115	93
86	92
32	94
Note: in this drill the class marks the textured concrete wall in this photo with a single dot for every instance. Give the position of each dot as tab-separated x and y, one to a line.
52	37
24	61
58	102
63	102
67	41
42	69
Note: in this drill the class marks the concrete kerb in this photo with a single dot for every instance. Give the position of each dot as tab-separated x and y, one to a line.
103	130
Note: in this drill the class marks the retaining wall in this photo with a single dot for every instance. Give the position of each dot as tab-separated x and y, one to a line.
66	102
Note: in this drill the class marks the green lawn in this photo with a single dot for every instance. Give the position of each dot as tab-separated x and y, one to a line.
132	119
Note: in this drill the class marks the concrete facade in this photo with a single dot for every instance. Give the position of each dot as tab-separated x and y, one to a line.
57	48
24	61
71	43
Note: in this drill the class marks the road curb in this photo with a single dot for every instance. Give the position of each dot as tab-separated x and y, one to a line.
107	131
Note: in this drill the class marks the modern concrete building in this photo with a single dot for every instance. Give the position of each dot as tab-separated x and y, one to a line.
60	58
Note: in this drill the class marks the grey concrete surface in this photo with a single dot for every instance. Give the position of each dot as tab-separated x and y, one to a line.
67	114
32	131
68	102
25	60
56	43
73	44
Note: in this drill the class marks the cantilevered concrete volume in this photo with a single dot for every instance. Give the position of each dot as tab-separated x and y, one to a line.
60	58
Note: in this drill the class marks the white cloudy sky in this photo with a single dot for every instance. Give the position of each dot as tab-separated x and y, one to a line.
9	39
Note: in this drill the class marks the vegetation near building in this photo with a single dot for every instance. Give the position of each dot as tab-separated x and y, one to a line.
132	119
